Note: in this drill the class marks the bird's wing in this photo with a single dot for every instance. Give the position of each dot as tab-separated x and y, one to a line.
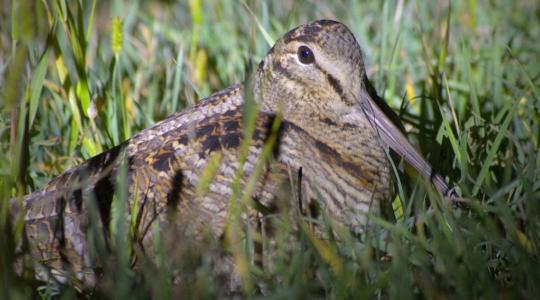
163	165
384	120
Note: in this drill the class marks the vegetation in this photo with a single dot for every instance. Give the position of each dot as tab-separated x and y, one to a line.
77	77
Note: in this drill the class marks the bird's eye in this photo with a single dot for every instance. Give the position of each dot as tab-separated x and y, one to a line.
305	55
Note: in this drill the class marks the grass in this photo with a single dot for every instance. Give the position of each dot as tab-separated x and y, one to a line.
78	77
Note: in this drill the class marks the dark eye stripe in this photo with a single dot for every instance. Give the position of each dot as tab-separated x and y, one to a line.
335	84
305	55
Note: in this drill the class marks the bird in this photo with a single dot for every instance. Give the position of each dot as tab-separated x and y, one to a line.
317	122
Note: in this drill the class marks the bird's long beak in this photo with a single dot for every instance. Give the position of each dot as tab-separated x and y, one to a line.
393	137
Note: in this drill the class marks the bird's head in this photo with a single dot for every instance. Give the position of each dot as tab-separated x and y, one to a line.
313	72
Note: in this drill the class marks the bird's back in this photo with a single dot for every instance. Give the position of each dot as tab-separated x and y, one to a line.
164	165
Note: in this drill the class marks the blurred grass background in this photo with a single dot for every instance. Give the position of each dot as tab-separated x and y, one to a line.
77	77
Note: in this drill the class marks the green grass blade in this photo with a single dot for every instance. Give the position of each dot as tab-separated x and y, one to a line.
36	85
267	37
493	150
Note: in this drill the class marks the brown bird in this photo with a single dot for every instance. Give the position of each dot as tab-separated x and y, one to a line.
321	125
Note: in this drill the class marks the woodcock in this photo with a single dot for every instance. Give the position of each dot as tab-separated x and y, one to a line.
333	138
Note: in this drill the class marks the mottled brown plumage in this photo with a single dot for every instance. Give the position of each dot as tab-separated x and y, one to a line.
332	135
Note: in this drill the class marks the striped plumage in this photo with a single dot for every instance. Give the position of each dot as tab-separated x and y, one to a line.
333	140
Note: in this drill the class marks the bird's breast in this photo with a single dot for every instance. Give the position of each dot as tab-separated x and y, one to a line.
345	169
